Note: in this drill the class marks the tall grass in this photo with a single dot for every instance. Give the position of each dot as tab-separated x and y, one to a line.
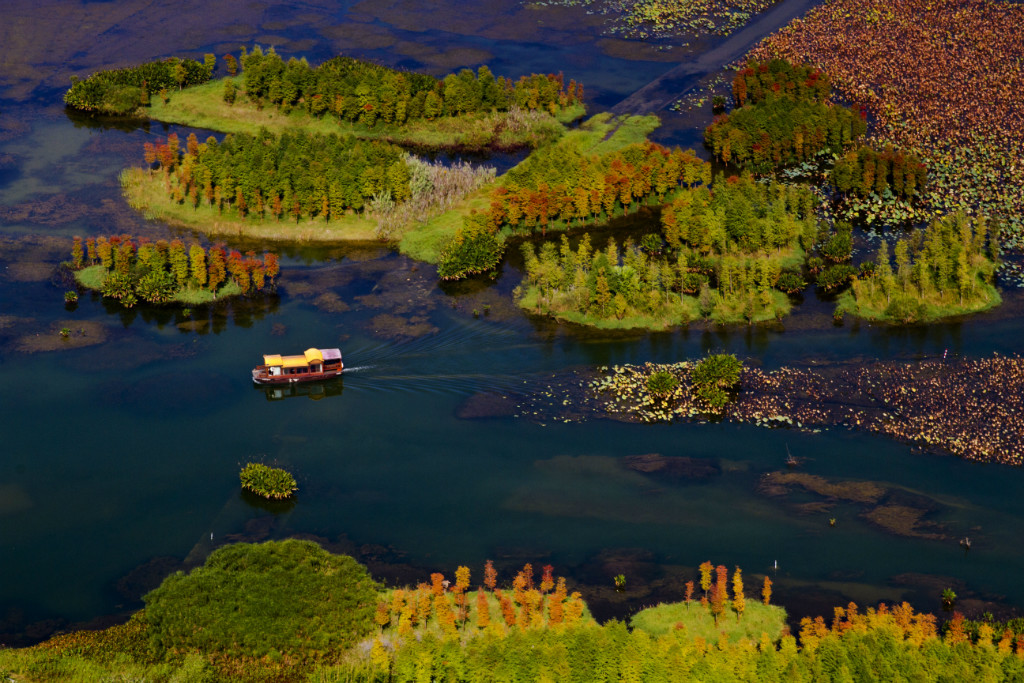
435	189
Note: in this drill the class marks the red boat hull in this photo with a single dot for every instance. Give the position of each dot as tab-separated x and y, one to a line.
260	376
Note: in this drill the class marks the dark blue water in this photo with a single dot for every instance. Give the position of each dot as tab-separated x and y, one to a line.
121	458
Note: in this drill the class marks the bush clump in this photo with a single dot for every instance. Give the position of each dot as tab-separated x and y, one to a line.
662	383
269	482
288	601
714	377
473	250
122	91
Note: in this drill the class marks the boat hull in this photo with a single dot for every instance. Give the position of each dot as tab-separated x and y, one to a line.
264	379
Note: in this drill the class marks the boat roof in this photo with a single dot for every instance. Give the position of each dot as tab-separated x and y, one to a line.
309	356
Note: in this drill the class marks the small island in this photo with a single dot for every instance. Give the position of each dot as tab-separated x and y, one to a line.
162	272
273	483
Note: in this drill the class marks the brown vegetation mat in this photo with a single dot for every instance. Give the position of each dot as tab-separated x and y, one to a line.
942	77
951	67
970	408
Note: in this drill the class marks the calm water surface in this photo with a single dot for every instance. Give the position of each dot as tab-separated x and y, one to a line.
120	459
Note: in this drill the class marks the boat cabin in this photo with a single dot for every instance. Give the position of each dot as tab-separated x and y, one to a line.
313	364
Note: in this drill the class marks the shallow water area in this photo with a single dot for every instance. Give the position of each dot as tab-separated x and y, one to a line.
121	458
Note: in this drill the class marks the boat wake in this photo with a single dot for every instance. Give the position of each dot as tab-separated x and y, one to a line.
358	368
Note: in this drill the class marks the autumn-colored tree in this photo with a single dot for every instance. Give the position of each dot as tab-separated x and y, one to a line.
271	266
739	601
526	608
437	583
519	588
766	591
408	617
105	252
238	270
483	610
257	273
217	271
424	595
398	601
508	610
124	257
574	609
547	581
149	153
462	579
179	262
556	604
382	617
77	256
689	593
197	257
720	593
706	568
490	575
90	251
956	633
231	63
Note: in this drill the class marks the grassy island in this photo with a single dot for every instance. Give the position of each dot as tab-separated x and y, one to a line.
720	255
944	271
596	138
168	272
291	611
203	106
465	111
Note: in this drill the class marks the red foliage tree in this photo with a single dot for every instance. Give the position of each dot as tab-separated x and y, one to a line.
490	575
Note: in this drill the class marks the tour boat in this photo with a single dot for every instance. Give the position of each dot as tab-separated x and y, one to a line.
312	365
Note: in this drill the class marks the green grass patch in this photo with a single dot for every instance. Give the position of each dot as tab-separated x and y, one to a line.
859	302
425	241
697	621
146	192
91	277
198	297
203	106
677	313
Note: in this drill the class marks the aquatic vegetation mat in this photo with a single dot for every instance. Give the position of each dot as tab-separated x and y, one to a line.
655	19
969	408
942	79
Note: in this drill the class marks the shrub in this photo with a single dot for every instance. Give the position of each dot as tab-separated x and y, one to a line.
836	276
473	250
713	377
269	482
790	282
290	599
662	383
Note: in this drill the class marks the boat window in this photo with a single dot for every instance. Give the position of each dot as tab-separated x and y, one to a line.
275	371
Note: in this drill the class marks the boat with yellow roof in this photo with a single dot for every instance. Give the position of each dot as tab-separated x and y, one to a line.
312	365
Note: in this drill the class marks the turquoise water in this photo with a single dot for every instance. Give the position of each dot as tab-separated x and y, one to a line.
125	453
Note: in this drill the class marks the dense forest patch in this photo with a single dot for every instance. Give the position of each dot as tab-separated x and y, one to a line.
161	272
